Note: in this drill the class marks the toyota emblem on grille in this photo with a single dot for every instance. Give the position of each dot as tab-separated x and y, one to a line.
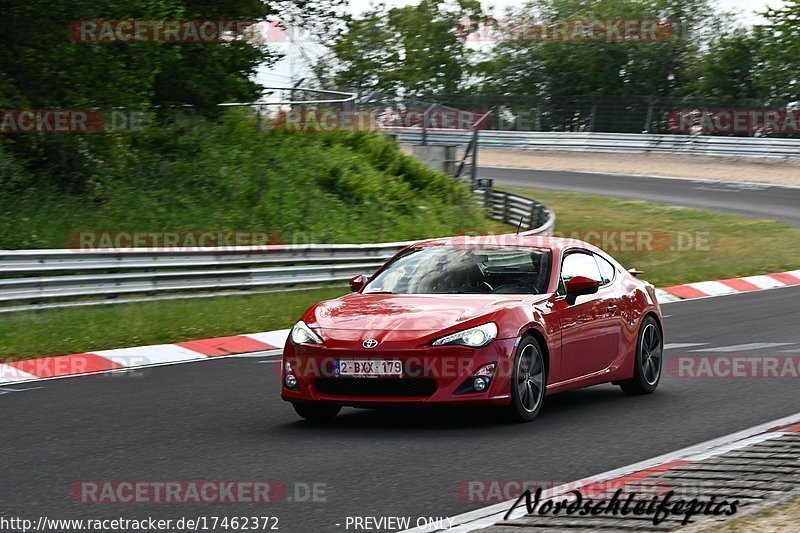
369	343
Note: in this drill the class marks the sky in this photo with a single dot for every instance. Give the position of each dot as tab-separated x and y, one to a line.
745	9
291	68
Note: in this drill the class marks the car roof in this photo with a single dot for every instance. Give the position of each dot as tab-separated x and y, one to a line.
555	244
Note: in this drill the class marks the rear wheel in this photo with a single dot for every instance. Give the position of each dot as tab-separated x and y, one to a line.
649	360
316	412
527	381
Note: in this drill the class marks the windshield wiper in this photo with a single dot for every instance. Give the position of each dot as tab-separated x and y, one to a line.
379	292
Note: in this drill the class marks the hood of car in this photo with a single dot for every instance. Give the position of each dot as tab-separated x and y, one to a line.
376	312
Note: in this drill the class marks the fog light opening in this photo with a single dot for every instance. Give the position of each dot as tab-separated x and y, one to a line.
485	371
479	381
289	380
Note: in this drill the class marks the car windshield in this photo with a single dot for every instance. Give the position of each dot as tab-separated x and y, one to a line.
456	270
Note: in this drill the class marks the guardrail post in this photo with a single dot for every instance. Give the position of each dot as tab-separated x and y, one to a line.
474	169
425	127
505	207
649	119
533	217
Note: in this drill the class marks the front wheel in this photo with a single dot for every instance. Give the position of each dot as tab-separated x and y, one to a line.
316	412
649	360
528	381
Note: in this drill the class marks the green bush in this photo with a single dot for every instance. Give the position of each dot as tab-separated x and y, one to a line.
186	173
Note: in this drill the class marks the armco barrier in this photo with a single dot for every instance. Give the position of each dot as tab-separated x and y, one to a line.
610	142
52	278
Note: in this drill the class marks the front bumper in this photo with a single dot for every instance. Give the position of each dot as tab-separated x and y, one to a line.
431	375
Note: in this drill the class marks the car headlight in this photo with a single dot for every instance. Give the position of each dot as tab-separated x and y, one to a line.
473	337
302	334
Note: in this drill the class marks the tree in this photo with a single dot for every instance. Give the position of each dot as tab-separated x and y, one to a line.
781	52
41	67
414	51
732	67
554	68
556	74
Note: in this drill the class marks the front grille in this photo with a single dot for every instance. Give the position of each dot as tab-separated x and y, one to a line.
376	387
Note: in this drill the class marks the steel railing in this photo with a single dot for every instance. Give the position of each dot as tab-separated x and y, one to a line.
610	142
55	278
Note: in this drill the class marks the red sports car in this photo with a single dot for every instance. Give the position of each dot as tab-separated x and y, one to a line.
492	320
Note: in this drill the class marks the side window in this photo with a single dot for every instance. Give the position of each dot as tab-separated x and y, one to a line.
607	270
580	264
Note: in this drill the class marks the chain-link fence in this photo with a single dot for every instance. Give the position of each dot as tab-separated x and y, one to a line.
629	114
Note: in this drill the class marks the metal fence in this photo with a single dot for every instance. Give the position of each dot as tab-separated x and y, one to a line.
610	142
609	114
528	215
32	279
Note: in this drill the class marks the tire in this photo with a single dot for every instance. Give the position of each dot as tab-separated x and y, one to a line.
316	412
528	381
649	361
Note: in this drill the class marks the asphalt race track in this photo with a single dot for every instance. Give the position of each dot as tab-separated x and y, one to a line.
753	200
223	420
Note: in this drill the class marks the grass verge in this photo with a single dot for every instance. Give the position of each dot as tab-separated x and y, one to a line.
193	175
673	245
728	246
30	334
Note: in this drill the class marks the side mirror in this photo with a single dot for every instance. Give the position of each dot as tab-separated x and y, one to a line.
357	282
581	285
635	273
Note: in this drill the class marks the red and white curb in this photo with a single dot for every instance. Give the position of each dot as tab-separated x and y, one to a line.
705	289
140	356
494	514
168	354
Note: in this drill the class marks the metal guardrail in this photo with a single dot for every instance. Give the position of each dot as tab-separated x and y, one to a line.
529	215
610	142
32	279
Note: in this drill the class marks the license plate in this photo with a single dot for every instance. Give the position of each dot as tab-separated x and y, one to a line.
371	368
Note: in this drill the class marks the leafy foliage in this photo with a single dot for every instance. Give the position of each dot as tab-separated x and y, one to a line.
413	51
196	174
554	68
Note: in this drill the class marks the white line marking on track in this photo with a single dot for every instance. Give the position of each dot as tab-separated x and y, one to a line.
11	374
33	378
738	445
493	514
678	345
744	347
10	391
265	353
